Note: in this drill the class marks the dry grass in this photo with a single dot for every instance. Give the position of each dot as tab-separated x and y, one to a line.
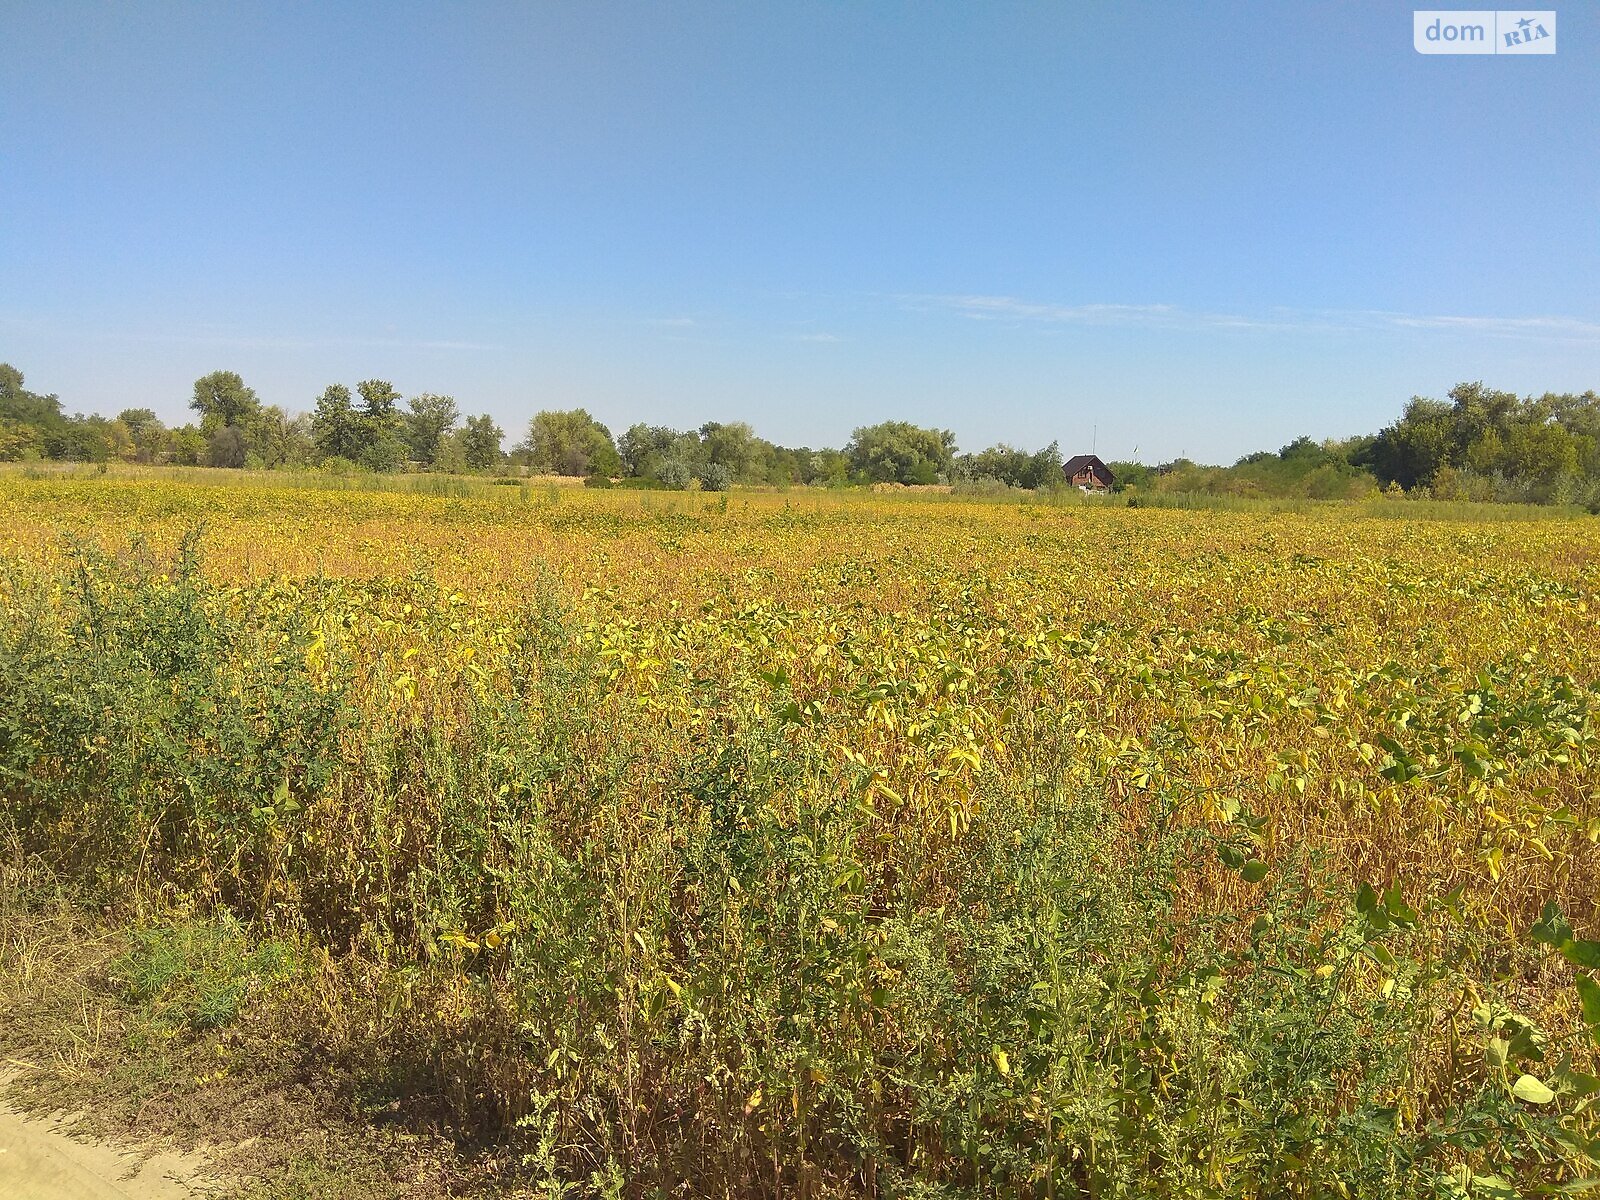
263	1100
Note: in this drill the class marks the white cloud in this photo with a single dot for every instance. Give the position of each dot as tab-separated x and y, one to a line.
996	308
1170	316
1543	327
289	343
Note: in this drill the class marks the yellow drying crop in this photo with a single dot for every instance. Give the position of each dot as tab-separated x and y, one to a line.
1408	696
1412	703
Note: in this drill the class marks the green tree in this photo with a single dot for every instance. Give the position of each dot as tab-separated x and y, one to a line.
280	440
786	465
1487	454
1493	444
19	442
899	452
1132	476
1541	452
149	436
226	447
830	468
1475	410
1414	447
31	425
188	445
336	430
735	448
571	443
83	439
428	420
479	442
18	404
222	400
1016	468
643	448
383	446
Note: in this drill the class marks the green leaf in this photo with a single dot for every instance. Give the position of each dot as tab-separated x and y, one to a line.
1531	1090
1526	1039
1367	900
1577	1187
1254	871
1589	994
1399	911
1380	954
1576	1083
1582	954
1551	928
1231	855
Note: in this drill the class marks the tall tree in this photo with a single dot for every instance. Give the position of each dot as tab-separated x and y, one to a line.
427	420
736	448
1414	447
222	400
480	442
1016	468
642	448
336	426
281	440
226	447
19	442
31	425
900	452
383	445
149	435
188	445
571	443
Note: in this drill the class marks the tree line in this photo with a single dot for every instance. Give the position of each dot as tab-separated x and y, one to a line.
375	428
234	429
1477	444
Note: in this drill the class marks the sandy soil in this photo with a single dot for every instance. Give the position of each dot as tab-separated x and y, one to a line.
39	1160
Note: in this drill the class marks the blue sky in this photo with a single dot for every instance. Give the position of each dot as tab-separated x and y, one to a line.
1202	229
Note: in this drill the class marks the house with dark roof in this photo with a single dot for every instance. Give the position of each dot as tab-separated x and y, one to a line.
1087	472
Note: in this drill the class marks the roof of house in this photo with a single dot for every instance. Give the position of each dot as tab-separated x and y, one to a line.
1081	462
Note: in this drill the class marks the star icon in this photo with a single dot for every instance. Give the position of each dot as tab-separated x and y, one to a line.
1524	23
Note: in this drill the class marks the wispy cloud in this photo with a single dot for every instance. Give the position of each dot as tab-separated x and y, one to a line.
1171	316
1002	308
1541	327
248	342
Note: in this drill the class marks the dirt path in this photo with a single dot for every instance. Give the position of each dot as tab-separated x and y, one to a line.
39	1161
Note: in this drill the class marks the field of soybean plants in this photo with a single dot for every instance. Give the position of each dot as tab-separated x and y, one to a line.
813	844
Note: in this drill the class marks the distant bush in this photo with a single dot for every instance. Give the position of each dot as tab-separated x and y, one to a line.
597	481
714	477
675	474
985	485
